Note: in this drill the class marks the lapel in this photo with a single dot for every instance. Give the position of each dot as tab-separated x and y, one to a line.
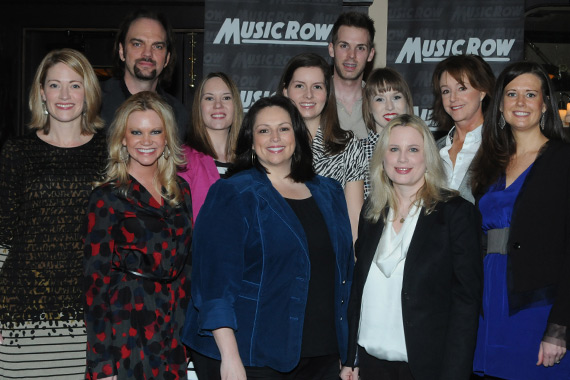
369	237
279	206
417	250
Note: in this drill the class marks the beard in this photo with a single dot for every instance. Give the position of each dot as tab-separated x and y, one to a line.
142	75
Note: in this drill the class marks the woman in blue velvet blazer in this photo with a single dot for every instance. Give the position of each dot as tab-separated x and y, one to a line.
258	282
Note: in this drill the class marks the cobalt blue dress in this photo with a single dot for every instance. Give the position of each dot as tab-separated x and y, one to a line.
507	345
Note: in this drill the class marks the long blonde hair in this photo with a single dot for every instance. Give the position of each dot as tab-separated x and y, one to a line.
90	120
383	194
117	168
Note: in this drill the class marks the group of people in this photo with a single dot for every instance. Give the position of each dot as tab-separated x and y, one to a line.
330	235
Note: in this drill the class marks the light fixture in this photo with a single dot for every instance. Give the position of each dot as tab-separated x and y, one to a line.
564	109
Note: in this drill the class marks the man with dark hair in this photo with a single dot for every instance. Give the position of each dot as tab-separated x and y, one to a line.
144	58
351	48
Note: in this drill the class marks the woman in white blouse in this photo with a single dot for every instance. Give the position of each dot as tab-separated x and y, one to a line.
417	284
462	88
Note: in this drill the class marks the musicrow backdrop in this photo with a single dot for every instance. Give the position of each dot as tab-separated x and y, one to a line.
423	32
252	40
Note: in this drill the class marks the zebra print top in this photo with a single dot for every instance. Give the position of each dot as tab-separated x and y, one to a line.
346	166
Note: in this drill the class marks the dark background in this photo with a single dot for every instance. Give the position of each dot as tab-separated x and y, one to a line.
31	28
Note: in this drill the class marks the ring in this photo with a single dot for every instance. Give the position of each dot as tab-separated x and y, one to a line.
558	362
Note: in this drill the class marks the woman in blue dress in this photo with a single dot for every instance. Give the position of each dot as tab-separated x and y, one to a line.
522	184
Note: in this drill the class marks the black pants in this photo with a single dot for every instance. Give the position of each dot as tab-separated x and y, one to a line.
317	368
372	368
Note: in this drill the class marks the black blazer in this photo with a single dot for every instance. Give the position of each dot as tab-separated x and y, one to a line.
441	290
539	239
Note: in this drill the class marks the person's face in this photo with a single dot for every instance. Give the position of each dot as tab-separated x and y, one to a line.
461	101
308	91
63	93
144	53
274	139
351	52
404	161
217	105
145	139
387	105
523	103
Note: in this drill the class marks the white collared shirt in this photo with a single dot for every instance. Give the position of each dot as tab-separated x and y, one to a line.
381	331
455	174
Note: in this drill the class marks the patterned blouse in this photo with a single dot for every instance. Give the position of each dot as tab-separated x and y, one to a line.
137	283
369	144
44	190
346	166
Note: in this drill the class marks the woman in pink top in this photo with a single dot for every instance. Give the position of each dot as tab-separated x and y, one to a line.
216	117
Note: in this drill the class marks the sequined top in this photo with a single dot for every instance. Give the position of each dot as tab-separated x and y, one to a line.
44	191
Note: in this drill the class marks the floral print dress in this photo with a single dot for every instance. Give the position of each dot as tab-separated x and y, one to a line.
137	283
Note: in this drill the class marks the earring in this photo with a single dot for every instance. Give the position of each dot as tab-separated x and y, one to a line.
252	156
502	121
124	154
44	107
166	152
542	121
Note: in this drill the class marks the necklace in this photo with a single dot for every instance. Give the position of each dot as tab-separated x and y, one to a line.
402	220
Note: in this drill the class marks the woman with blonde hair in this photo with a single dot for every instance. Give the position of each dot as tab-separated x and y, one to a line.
417	283
137	245
216	118
45	180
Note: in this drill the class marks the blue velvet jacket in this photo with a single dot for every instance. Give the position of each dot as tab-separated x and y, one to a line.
250	269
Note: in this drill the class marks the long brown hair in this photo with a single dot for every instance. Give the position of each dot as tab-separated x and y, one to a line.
198	137
335	138
498	144
478	73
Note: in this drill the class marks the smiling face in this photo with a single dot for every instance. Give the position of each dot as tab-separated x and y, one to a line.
351	52
63	94
387	105
274	139
404	161
523	103
461	101
145	52
217	105
145	140
307	90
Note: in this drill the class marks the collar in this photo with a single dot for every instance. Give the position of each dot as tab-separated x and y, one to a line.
471	136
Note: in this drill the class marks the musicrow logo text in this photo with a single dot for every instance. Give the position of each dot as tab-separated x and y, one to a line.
417	51
266	32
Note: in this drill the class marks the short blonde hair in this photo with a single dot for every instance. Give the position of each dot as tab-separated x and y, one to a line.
382	195
90	120
117	169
